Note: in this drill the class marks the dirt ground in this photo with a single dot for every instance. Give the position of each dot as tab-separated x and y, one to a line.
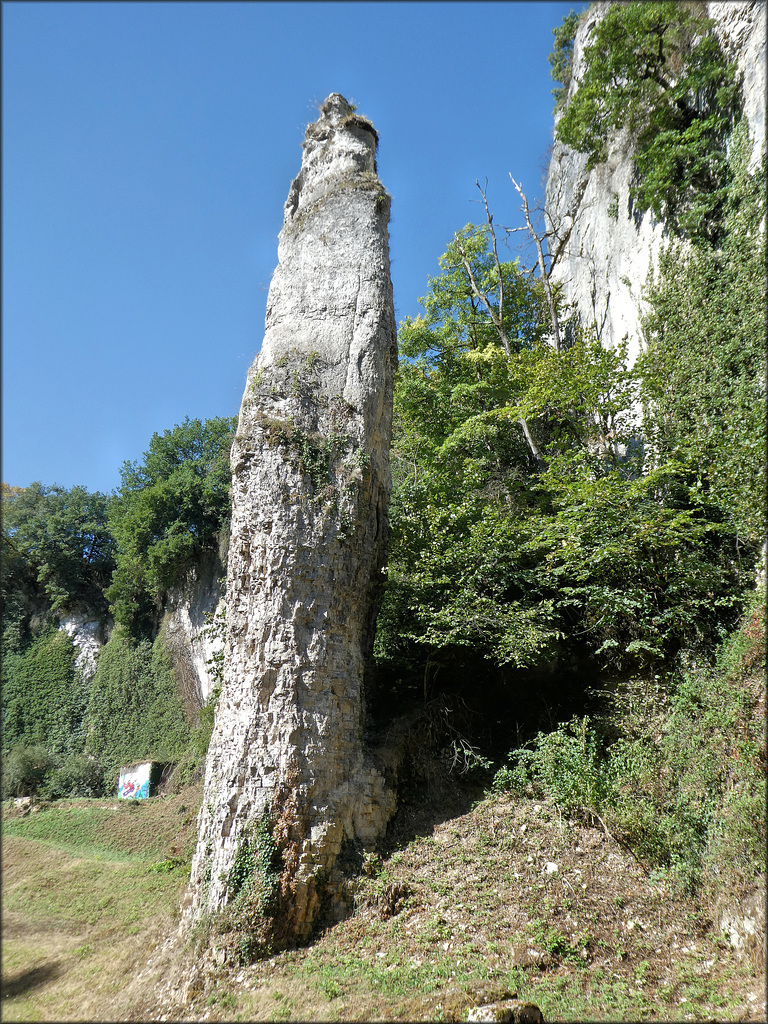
499	898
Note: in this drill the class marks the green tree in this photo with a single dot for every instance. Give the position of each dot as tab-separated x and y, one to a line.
169	508
59	538
656	70
561	57
509	551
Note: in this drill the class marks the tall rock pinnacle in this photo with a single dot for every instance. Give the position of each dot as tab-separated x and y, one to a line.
311	482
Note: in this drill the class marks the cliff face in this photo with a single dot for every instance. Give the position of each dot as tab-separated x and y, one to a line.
612	246
189	611
88	634
311	482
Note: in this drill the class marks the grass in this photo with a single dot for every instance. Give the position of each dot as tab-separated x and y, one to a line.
79	928
82	906
91	894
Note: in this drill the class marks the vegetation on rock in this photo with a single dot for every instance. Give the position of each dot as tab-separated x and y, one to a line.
704	366
561	57
71	552
657	71
168	509
556	514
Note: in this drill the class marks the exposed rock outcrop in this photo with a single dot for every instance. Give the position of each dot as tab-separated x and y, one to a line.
88	635
612	246
190	630
311	482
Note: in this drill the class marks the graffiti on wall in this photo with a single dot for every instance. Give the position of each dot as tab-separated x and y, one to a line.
134	782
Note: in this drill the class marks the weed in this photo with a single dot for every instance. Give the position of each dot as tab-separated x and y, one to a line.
331	988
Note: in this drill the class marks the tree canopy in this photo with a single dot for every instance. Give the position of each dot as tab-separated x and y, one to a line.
58	541
169	507
518	559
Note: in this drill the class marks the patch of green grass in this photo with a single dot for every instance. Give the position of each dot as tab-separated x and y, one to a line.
79	892
77	832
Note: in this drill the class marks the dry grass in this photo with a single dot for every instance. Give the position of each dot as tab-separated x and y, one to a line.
464	907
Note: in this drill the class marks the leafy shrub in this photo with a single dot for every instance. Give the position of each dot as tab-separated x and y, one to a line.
677	776
564	765
25	770
80	775
561	57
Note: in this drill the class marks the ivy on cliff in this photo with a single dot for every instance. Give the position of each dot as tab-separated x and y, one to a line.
134	710
657	70
43	700
704	368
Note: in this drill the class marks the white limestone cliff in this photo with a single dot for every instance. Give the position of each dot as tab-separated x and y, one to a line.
190	611
311	482
88	636
612	246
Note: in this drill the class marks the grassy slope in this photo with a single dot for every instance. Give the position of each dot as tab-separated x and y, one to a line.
83	901
85	916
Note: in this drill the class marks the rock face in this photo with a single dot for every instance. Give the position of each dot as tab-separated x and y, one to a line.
612	246
311	482
88	636
193	644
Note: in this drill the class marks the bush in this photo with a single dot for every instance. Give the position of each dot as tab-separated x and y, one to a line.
25	770
81	775
676	774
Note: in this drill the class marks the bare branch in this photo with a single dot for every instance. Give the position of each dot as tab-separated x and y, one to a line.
489	218
497	318
548	291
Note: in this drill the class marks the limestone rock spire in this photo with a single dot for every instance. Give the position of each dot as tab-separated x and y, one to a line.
310	490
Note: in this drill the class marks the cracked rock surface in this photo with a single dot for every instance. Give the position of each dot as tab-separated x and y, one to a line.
311	483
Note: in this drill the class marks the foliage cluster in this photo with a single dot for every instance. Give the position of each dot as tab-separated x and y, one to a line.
135	711
657	71
603	544
42	701
705	359
169	508
254	887
676	772
561	57
63	735
57	546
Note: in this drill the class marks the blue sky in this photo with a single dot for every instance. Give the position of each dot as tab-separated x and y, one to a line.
147	152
